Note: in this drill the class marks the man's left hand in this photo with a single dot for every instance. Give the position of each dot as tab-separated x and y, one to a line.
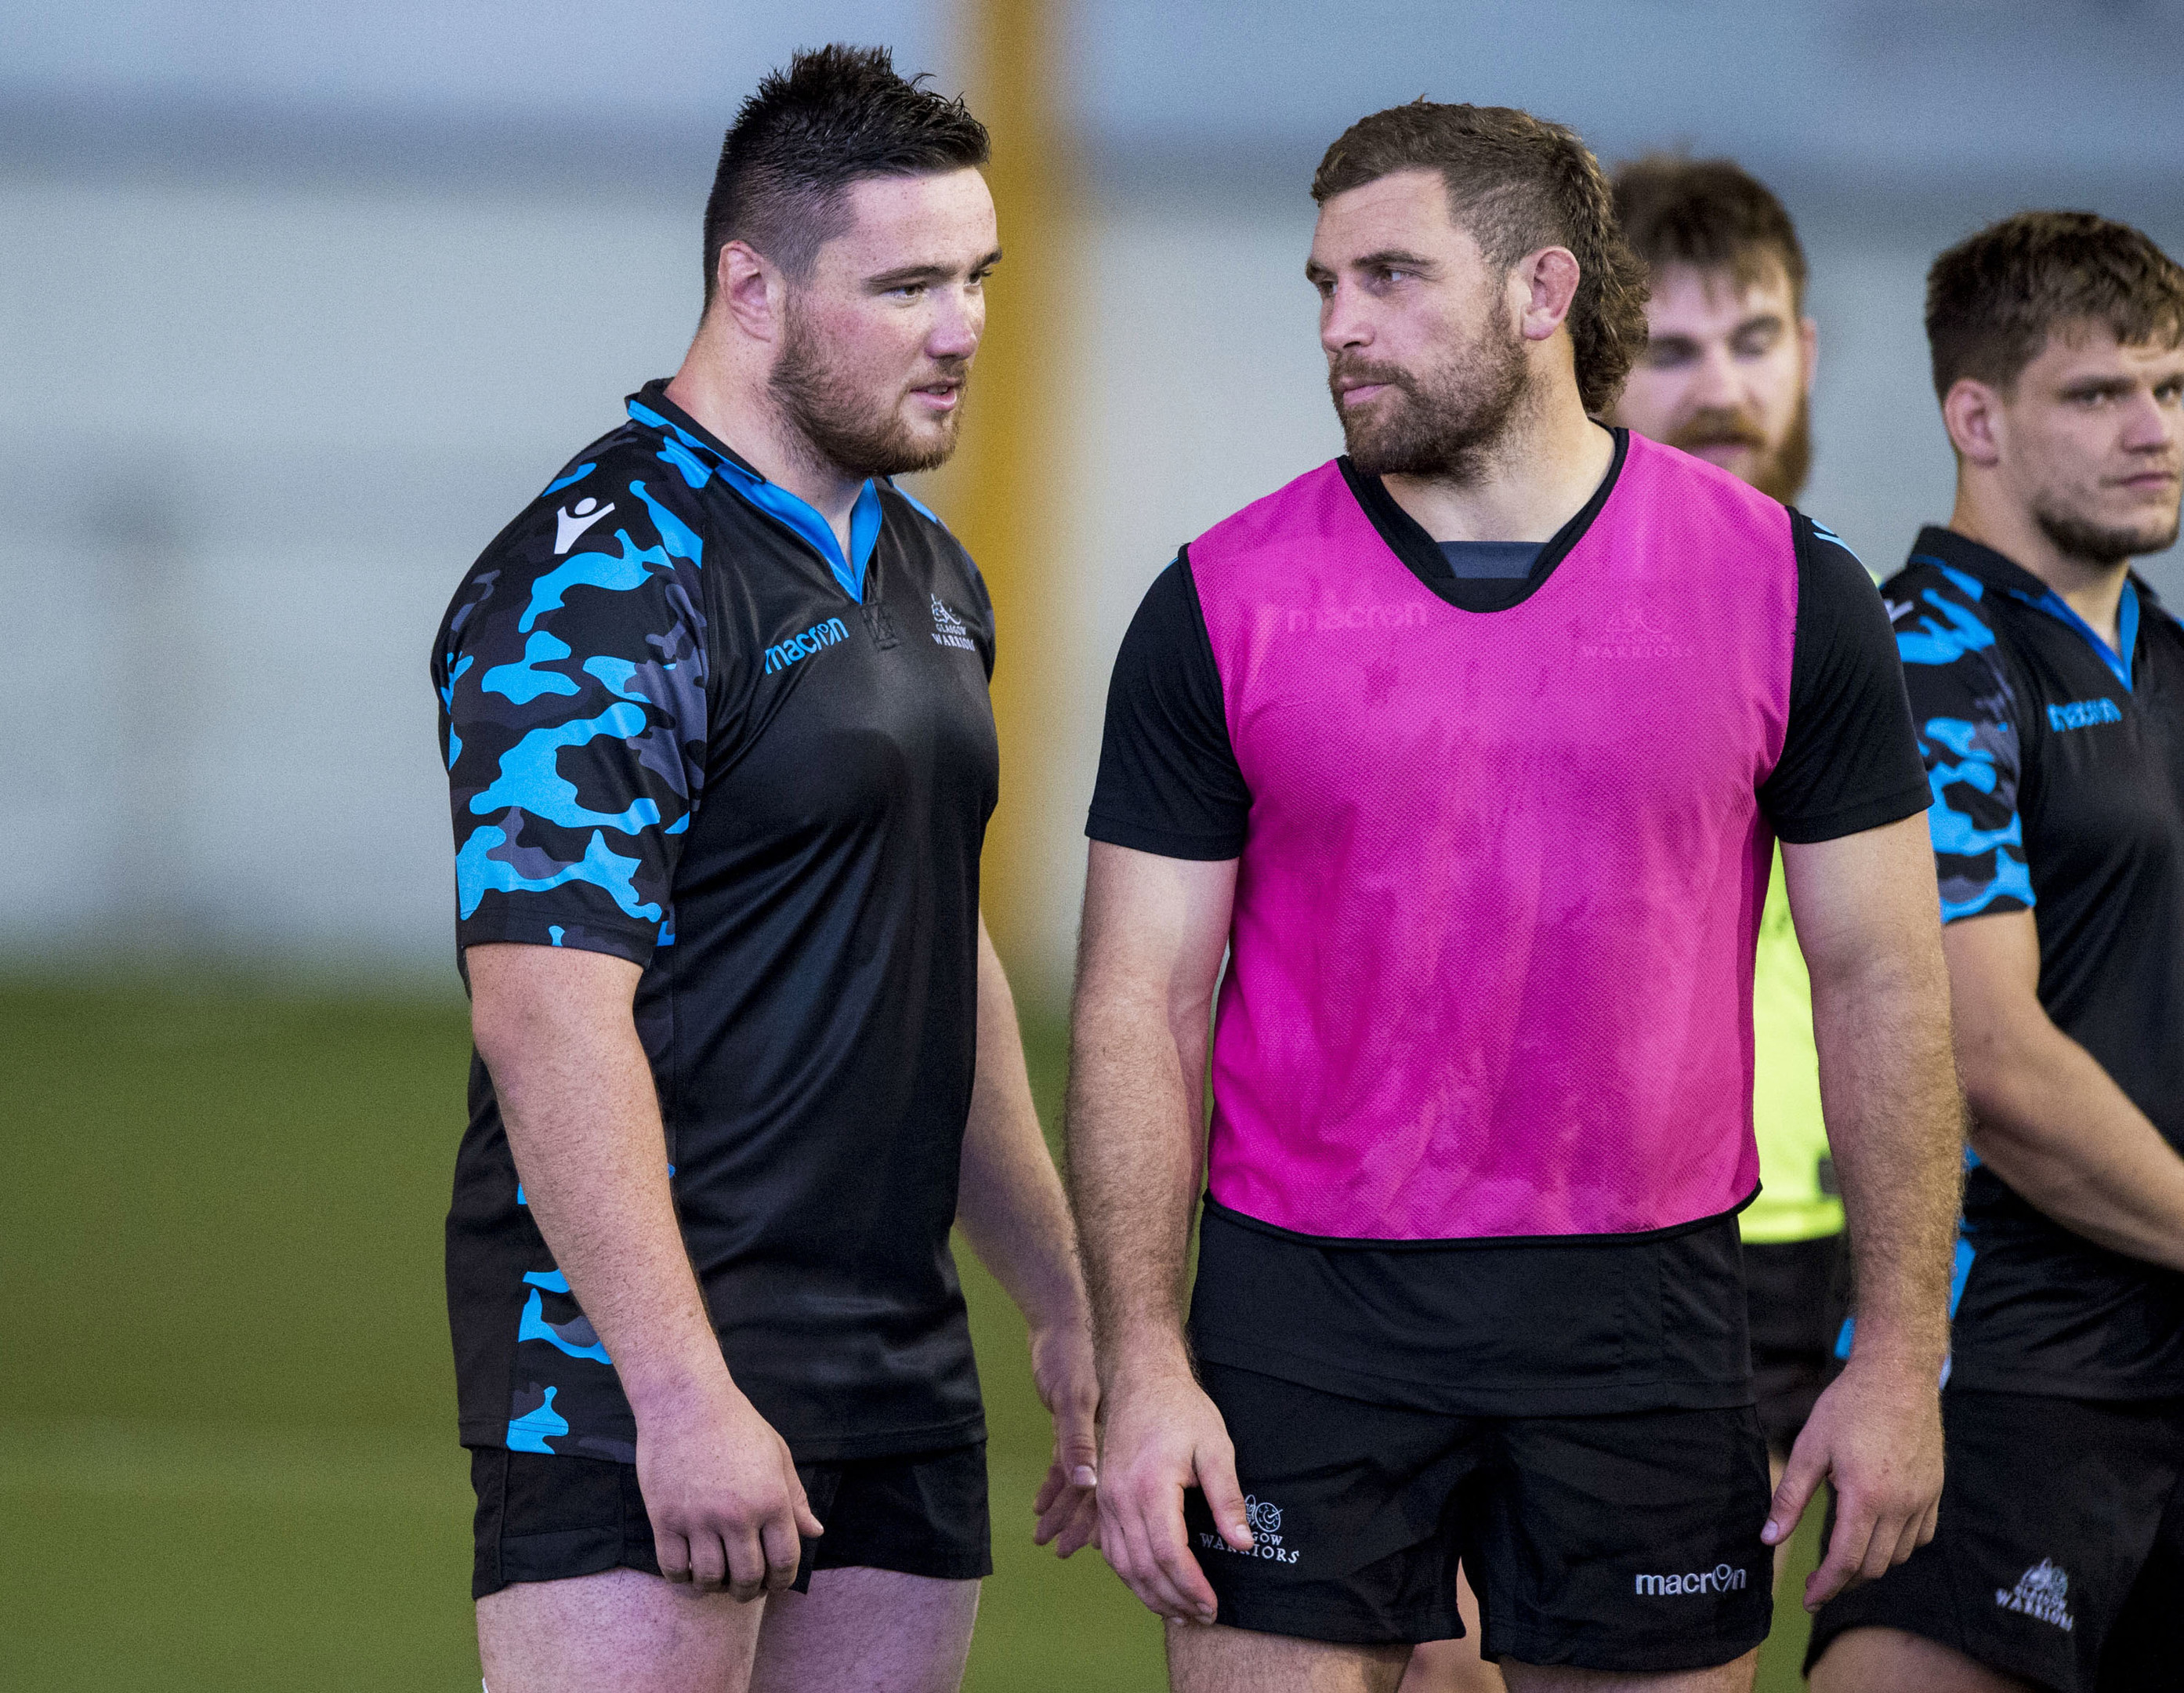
1877	1433
1068	1499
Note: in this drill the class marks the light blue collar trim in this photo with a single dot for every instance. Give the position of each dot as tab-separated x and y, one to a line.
2118	664
799	517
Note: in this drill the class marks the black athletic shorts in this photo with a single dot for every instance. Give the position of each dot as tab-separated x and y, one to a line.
1798	1294
542	1517
1625	1542
2059	1556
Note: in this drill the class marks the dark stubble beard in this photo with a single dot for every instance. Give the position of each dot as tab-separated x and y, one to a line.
839	422
1449	421
2076	537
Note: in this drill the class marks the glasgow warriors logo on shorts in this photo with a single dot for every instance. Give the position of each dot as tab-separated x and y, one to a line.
2040	1594
1265	1519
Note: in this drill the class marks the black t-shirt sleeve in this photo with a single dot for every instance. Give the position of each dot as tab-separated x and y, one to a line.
1850	756
1169	782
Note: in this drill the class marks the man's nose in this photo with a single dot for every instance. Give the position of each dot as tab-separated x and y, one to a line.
2148	426
1343	321
1716	385
957	325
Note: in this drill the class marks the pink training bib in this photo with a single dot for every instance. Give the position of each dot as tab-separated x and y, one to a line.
1491	956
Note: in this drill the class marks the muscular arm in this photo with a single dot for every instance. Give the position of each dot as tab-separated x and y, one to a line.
1865	910
1010	1207
554	1028
1155	929
2046	1117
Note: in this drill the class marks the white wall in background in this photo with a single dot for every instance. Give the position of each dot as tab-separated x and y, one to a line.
248	443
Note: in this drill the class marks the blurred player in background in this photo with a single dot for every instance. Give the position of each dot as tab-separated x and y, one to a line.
1727	374
715	721
1462	745
2048	686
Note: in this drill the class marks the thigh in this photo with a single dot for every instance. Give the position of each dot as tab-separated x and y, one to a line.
1351	1508
1455	1666
1219	1659
2049	1512
867	1631
1891	1661
619	1631
1625	1544
1733	1677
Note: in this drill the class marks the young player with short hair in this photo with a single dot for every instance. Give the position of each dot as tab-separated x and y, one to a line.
714	715
2048	686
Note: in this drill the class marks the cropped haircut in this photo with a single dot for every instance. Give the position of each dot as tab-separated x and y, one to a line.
1516	183
1710	214
838	115
1994	301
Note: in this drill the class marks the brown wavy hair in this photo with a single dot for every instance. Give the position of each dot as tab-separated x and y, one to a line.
1710	214
1518	183
1992	301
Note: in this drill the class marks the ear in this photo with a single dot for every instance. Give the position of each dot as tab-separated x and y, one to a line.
1971	412
1809	347
1542	286
748	289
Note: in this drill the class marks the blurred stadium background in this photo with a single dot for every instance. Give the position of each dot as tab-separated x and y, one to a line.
298	304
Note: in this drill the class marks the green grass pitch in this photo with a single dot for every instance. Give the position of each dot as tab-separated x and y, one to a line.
226	1448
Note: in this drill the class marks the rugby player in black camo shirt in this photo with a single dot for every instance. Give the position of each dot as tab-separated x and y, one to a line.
2047	684
715	712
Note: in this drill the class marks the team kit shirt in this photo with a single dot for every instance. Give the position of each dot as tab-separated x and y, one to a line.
2057	766
682	727
1482	1060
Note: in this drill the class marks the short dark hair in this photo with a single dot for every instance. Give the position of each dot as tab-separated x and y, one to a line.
837	115
1994	301
1518	183
1710	214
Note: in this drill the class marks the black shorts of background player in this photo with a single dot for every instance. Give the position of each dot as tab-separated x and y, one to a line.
715	719
2048	685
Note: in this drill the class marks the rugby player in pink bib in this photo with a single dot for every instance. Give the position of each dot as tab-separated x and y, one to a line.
1472	749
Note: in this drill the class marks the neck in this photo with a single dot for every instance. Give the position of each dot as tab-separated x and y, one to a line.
723	385
2092	588
1534	480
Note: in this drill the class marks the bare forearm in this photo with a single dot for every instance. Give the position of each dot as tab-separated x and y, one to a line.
2052	1123
1896	1131
1010	1203
583	1123
1133	1170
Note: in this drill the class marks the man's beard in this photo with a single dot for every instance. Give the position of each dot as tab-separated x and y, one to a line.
2090	543
1449	430
841	424
1782	471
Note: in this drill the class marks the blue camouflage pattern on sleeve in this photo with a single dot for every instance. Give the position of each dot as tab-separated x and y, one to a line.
573	713
1967	713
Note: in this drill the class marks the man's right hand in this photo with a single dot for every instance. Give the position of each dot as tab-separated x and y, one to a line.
1164	1435
720	1489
